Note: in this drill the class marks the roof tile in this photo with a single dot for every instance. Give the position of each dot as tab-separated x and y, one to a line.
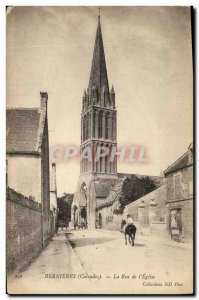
22	129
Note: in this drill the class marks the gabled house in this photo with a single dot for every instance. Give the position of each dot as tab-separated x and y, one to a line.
27	156
179	177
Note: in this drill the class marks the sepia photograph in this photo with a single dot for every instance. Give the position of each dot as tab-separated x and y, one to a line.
99	150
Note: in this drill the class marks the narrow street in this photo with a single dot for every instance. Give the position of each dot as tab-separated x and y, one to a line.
100	262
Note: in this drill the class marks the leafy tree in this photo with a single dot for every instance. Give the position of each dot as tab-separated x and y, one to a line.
134	188
64	205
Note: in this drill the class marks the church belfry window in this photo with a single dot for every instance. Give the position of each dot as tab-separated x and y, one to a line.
101	159
106	160
100	125
88	126
107	126
84	128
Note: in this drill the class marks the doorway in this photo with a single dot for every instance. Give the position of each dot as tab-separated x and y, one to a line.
176	224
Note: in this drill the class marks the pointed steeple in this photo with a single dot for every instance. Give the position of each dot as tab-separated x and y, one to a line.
112	90
98	75
84	95
112	96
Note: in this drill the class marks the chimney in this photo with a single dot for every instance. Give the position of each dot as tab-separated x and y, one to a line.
44	100
53	167
53	178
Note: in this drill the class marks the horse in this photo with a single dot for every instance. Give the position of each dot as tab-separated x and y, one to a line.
130	230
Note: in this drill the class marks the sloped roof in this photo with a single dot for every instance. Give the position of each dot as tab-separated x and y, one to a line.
178	164
114	194
103	186
23	126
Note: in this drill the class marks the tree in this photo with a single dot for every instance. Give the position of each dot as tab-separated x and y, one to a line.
134	188
64	205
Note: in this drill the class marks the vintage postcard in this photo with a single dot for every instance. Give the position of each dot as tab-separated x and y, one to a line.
99	150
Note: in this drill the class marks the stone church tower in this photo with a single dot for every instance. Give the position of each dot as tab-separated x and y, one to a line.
98	131
98	119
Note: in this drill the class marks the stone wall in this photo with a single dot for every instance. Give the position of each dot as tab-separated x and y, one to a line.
45	183
23	230
109	220
180	185
149	214
151	204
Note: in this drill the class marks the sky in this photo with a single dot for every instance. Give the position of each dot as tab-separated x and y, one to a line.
149	62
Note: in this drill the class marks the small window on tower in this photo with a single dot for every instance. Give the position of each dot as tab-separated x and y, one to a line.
100	125
106	126
84	128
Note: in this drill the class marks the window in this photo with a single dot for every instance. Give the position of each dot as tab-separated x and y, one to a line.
84	128
88	126
107	126
101	159
100	125
93	123
106	161
177	186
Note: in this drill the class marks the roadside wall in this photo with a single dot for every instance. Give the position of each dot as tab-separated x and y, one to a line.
149	214
23	230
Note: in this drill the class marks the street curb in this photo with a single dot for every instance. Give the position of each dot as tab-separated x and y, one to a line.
74	253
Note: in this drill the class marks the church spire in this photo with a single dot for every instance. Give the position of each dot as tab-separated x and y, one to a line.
98	75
